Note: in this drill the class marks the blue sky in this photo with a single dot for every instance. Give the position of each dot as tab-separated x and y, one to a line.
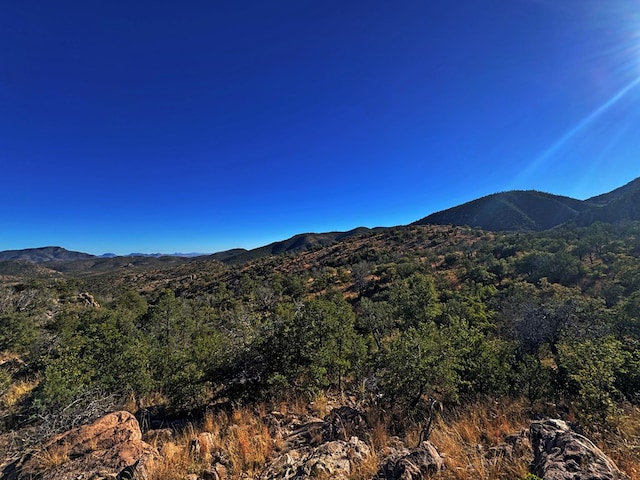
160	126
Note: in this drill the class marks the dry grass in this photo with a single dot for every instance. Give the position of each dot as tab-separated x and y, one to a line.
51	457
17	392
175	461
249	443
379	434
463	436
622	443
367	469
320	406
241	438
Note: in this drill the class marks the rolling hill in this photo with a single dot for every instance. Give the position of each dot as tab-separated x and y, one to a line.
517	210
514	210
297	243
44	254
535	211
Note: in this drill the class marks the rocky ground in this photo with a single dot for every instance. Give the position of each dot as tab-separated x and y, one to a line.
338	446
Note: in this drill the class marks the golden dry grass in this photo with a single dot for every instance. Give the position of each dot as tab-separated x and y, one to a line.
17	392
367	469
463	436
175	461
241	437
50	458
622	442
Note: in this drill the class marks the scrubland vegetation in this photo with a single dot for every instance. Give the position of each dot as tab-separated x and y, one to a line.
498	328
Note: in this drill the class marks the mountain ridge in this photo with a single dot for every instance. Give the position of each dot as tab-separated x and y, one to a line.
513	210
44	254
531	210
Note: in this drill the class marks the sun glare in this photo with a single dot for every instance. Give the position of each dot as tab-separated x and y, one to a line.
619	60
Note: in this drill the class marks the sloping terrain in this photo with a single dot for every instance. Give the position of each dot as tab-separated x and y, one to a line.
297	243
43	254
620	205
536	211
509	211
605	199
518	210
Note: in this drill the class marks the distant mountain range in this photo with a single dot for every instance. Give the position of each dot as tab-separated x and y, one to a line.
516	210
154	255
59	254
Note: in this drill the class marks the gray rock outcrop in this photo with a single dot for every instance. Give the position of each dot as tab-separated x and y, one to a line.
561	454
335	459
416	464
329	448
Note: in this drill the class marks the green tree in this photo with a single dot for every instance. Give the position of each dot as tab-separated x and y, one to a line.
417	362
415	300
17	332
314	344
375	318
102	353
593	367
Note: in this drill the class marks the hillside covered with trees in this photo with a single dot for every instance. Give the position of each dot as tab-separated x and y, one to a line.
390	321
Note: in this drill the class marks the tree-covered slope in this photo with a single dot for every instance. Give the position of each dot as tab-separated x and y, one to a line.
510	211
391	320
536	211
620	205
297	243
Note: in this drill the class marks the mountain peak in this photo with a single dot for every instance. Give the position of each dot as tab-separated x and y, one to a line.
533	210
511	210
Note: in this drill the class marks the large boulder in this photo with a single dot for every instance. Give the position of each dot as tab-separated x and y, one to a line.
335	459
416	464
109	448
561	454
317	448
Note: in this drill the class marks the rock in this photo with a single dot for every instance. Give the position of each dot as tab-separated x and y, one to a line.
345	422
561	454
86	299
311	433
514	445
216	472
334	459
411	464
111	447
202	447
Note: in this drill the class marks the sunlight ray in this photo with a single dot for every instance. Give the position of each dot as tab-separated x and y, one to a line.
580	126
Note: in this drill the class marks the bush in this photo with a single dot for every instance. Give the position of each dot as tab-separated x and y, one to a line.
592	368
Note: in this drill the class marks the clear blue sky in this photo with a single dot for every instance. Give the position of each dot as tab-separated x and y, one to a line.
163	126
